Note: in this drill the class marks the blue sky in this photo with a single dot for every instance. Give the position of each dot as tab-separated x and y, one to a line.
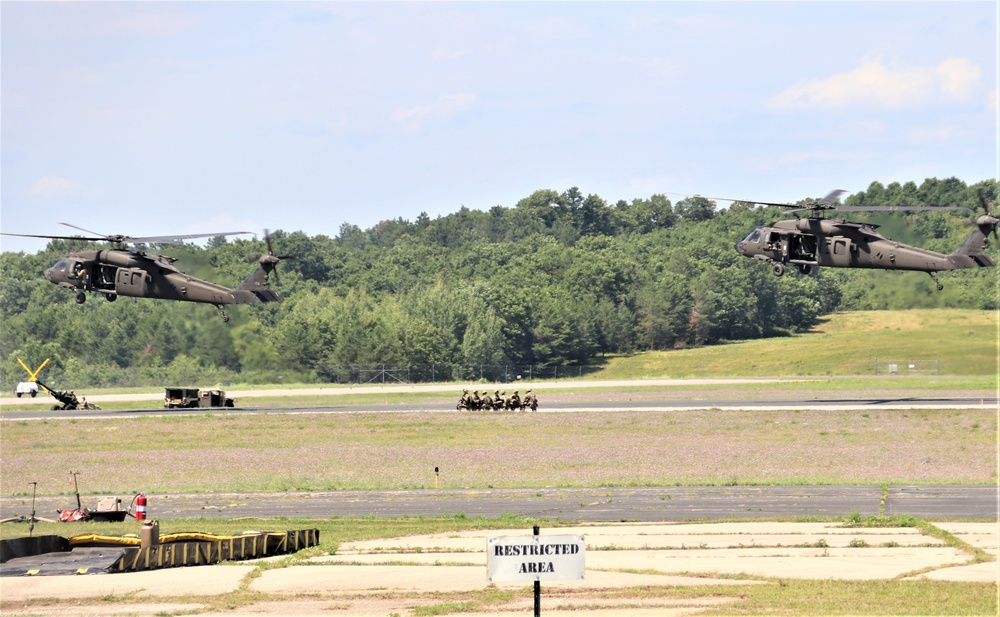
153	118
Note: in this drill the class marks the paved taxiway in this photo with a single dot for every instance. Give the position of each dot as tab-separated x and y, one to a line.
669	503
553	407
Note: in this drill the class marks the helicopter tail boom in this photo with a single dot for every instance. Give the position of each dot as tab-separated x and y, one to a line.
255	288
970	253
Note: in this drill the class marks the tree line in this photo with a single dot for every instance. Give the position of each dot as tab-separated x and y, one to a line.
558	279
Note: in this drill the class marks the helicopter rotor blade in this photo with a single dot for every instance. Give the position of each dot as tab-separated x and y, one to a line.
173	239
178	238
102	236
54	237
901	208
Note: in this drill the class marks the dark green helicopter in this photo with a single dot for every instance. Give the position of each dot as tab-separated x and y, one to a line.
837	243
137	274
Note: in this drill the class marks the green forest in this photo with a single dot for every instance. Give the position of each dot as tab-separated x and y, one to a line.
557	280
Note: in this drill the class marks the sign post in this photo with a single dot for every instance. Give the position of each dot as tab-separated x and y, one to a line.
538	583
535	558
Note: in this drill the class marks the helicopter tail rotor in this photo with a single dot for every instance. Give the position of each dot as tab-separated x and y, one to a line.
269	261
987	223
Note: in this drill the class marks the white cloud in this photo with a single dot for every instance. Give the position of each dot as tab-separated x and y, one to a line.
445	107
450	53
796	160
887	87
54	187
662	67
556	28
935	135
958	77
411	114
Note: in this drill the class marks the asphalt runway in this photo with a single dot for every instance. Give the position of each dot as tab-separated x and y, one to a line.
554	407
643	504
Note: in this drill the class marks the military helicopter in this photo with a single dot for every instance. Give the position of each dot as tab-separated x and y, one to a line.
121	271
836	243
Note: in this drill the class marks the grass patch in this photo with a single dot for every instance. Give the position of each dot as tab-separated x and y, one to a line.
944	341
323	451
804	597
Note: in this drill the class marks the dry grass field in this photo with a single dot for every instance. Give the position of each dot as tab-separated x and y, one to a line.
960	342
314	451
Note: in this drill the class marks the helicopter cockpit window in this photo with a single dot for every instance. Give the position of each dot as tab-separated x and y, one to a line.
60	265
754	236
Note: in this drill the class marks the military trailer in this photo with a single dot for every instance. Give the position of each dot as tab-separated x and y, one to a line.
193	397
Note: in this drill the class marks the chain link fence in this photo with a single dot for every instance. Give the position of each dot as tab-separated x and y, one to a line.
430	373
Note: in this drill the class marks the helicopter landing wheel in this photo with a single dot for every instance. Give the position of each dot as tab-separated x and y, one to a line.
225	318
805	268
81	297
937	283
110	297
777	269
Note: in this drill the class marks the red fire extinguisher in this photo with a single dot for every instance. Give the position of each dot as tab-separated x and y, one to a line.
140	507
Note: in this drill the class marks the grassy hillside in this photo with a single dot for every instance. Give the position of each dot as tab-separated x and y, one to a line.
945	341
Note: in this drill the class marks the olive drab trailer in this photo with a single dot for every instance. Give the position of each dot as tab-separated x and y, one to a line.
193	397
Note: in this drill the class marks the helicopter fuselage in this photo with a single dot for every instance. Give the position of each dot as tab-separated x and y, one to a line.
842	244
138	274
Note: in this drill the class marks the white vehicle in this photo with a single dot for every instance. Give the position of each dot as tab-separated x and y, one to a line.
26	387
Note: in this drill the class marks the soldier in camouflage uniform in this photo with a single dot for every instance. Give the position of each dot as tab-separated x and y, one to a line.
514	402
530	401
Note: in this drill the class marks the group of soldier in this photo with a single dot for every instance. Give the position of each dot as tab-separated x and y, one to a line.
499	401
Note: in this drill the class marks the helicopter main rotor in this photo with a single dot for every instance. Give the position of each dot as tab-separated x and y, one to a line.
120	239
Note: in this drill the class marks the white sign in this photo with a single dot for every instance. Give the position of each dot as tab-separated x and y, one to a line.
535	558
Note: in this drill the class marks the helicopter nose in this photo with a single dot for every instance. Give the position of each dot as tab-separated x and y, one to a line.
740	247
48	274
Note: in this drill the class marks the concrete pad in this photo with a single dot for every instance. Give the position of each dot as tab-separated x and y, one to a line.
602	607
334	607
976	573
725	535
374	606
981	535
192	581
842	567
398	578
357	579
404	559
640	535
660	559
105	609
